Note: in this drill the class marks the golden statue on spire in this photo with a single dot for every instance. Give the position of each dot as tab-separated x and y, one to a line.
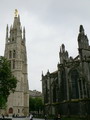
16	13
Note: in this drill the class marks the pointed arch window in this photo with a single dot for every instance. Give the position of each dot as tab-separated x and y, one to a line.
54	93
13	64
80	87
8	40
10	110
12	39
74	82
10	63
18	110
14	54
10	54
84	87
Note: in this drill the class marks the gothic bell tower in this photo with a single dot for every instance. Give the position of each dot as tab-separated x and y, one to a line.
15	52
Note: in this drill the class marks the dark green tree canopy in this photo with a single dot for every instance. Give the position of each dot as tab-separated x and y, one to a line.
7	81
35	104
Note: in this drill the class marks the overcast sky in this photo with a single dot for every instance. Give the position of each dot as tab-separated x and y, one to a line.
48	23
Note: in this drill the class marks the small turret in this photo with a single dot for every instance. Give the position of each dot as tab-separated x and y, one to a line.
62	48
63	54
82	39
42	74
83	44
48	72
81	29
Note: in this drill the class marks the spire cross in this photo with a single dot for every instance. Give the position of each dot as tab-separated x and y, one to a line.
16	13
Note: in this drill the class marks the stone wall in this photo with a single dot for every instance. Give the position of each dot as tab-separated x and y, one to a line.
70	108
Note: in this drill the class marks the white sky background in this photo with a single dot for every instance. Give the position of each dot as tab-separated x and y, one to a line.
48	23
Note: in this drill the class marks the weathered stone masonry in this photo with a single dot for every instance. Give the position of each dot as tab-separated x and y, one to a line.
67	90
15	52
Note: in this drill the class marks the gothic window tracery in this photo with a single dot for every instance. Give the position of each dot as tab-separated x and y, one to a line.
18	110
14	54
80	87
10	63
63	87
12	39
13	64
54	93
74	84
84	87
46	93
8	40
10	54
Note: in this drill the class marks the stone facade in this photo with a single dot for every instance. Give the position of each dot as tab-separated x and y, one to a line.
67	90
15	52
35	94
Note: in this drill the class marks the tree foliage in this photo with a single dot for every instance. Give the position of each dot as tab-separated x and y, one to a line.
7	81
35	104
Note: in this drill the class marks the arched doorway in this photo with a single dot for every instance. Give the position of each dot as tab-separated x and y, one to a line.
10	110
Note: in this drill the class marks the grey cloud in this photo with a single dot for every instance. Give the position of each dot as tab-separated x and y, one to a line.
48	23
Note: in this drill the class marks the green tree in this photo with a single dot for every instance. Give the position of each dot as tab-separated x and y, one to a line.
7	81
35	104
31	104
39	104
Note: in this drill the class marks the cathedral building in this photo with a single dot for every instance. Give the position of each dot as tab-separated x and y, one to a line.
67	90
15	52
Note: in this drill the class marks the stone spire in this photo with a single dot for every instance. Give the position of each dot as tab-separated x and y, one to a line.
82	39
16	23
62	49
48	73
63	54
42	74
16	12
24	34
81	33
7	33
15	52
81	29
